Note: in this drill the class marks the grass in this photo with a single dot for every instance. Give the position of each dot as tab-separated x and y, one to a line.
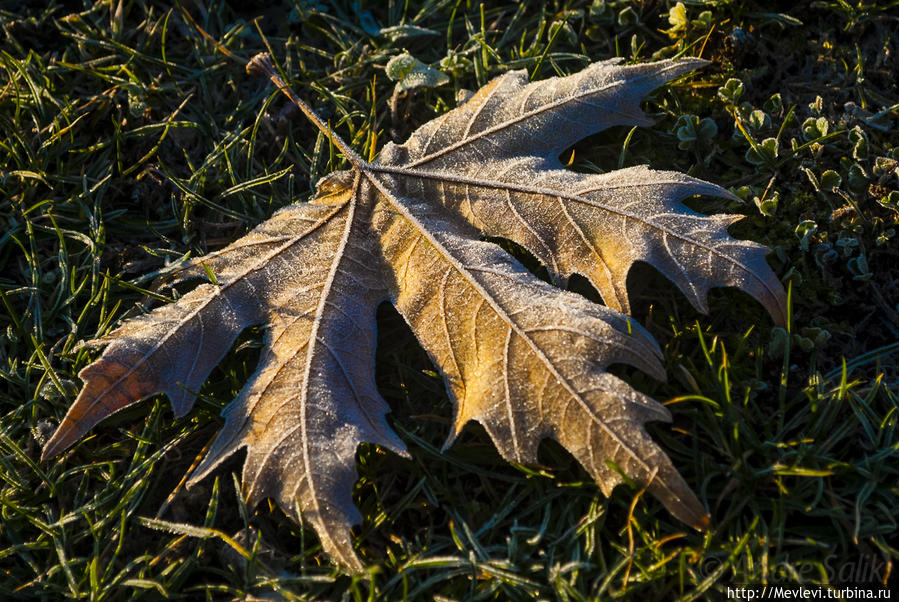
130	141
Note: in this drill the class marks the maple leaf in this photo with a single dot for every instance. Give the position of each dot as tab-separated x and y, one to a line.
524	358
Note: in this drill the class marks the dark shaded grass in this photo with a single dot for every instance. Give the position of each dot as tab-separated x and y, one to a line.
129	141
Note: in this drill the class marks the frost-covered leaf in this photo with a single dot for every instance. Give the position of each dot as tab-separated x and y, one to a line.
524	358
409	73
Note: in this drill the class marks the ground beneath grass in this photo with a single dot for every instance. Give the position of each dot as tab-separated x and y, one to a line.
129	140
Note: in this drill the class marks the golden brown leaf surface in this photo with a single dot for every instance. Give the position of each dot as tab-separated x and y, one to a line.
524	358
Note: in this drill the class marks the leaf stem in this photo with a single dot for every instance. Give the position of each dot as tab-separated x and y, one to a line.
263	63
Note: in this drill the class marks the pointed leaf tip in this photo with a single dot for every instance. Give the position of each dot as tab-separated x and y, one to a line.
61	440
704	522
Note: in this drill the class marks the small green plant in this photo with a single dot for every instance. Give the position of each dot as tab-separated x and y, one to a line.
409	73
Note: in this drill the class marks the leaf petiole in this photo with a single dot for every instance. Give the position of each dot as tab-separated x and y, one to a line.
263	63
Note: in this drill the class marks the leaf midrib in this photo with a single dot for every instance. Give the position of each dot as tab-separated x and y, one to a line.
537	111
539	190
